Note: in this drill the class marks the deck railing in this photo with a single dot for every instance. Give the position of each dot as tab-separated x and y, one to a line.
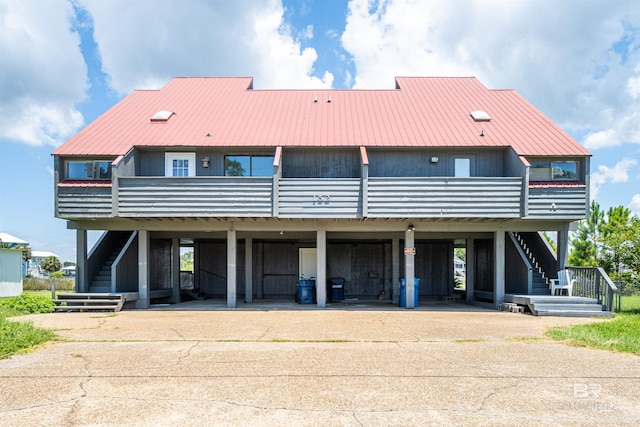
594	282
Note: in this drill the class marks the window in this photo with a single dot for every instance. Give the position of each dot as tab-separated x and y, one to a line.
552	171
248	165
89	169
180	164
462	168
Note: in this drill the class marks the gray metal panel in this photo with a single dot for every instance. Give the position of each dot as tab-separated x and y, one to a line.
195	197
84	202
564	202
320	198
444	197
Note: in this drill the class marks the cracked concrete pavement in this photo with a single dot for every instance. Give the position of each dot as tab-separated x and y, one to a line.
283	364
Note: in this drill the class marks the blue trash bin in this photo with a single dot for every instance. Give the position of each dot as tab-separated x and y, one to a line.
305	291
337	288
403	292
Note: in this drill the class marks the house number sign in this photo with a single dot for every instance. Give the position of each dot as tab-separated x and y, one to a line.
321	199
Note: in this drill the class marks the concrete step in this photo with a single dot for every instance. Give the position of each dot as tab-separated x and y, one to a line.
575	313
573	307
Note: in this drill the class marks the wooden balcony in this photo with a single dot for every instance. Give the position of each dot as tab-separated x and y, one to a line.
377	197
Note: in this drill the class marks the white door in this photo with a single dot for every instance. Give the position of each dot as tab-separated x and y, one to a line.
308	258
180	164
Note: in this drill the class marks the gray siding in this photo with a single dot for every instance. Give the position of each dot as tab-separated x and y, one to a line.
84	202
567	202
319	198
417	163
444	197
317	163
151	163
195	197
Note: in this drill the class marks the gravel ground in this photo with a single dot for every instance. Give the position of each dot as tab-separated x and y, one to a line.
283	364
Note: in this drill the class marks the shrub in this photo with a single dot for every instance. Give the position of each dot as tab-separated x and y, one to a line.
33	284
57	275
29	304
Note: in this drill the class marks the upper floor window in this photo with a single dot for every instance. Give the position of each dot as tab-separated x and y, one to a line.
248	165
180	164
550	171
88	169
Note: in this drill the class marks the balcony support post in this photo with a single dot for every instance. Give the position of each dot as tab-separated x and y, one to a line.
470	269
232	252
321	268
248	270
143	270
409	268
175	270
563	248
82	277
499	267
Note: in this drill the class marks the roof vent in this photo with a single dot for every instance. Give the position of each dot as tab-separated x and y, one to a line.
480	116
162	116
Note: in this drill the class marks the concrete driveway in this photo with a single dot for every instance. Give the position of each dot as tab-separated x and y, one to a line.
271	364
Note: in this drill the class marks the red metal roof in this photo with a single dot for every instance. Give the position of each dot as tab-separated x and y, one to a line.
421	112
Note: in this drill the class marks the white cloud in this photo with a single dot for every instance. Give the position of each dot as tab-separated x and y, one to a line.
42	72
634	206
152	44
616	174
576	64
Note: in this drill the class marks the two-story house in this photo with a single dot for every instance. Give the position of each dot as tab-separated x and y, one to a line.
267	186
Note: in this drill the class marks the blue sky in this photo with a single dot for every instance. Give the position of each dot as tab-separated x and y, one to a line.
65	62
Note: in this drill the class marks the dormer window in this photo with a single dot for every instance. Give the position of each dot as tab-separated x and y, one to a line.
162	116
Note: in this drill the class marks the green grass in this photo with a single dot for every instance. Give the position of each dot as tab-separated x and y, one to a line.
620	334
19	337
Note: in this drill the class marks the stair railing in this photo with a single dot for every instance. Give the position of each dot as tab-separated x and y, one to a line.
594	282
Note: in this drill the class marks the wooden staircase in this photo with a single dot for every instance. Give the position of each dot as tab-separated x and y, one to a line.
102	281
89	302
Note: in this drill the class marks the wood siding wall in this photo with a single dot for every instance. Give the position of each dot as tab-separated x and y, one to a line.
569	202
84	202
316	163
195	197
444	197
319	198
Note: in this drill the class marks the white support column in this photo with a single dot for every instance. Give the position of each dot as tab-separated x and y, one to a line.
563	248
248	270
231	268
499	271
143	270
81	261
175	270
470	269
409	267
395	269
321	266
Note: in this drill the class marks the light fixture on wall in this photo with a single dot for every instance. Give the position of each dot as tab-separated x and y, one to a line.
281	232
434	159
205	162
411	228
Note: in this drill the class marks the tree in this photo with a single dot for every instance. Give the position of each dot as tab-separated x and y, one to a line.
51	264
186	261
614	235
585	243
